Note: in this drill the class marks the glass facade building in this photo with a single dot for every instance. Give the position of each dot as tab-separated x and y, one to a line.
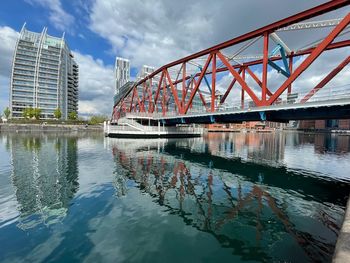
122	73
44	75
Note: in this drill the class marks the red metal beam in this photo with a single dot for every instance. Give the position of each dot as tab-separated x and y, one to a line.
150	100
142	109
213	82
164	96
311	58
158	90
336	45
201	97
132	98
291	71
257	80
239	79
307	14
264	70
174	91
183	83
198	83
332	46
242	90
324	81
230	87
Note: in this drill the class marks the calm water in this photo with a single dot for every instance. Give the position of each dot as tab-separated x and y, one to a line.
225	197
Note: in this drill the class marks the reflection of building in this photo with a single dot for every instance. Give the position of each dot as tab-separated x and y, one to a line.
246	125
325	124
45	175
257	147
122	73
326	143
44	75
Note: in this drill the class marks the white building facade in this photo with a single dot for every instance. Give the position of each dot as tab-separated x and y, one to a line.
122	73
44	75
145	71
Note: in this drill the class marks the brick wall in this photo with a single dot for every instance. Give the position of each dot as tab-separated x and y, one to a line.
320	124
344	124
307	124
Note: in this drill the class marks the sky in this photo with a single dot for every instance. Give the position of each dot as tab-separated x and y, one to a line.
151	32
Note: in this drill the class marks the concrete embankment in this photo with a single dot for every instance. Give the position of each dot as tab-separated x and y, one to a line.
342	249
48	127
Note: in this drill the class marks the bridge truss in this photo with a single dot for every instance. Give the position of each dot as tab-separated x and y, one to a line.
195	82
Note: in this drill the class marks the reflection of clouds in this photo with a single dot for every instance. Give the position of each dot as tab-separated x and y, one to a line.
93	168
251	147
304	158
8	202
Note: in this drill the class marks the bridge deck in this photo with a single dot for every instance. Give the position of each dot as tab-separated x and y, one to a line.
330	109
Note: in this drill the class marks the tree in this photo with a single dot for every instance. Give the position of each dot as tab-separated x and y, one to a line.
30	113
57	113
7	112
26	113
96	119
36	113
72	115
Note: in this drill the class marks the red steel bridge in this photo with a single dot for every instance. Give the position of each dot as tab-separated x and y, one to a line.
261	75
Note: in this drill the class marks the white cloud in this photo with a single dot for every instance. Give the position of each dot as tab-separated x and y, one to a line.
96	85
157	32
59	18
8	38
141	31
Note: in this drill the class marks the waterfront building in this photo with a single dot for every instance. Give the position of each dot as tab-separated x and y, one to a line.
342	124
145	71
44	75
122	73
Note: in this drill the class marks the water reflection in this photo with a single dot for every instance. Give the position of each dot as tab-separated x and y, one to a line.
246	197
45	177
270	148
260	212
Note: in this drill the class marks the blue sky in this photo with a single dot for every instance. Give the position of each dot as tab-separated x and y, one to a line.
148	32
78	36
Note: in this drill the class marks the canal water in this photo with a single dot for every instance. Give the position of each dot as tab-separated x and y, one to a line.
226	197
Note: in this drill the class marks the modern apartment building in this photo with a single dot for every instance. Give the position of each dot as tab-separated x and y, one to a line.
145	71
44	75
122	73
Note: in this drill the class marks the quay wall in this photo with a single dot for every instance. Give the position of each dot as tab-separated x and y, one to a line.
48	127
342	249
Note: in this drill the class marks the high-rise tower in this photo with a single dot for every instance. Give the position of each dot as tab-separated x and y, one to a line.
122	73
44	75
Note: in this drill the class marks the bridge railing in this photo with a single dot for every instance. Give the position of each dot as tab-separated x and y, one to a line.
329	94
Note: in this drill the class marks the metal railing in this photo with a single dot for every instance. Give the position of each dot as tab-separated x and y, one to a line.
153	129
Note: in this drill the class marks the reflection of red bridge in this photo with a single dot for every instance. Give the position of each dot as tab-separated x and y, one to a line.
201	205
186	90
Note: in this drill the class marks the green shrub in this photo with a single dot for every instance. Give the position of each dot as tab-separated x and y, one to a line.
97	119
